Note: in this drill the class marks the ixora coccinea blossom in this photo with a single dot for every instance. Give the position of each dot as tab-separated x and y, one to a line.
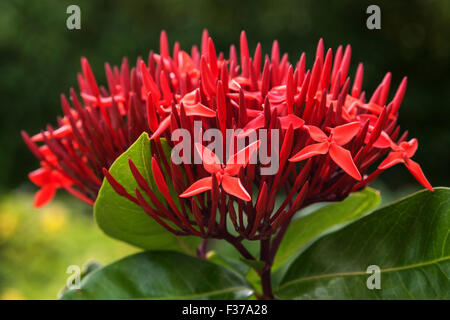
174	89
319	115
328	136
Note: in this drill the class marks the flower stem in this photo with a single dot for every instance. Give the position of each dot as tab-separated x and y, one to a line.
202	249
266	280
236	242
277	239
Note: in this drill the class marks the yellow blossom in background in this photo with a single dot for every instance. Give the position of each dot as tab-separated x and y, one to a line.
41	245
12	294
53	218
9	221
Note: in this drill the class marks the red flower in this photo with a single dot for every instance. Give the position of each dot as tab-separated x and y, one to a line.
402	153
49	181
106	121
339	136
171	91
225	175
261	120
91	135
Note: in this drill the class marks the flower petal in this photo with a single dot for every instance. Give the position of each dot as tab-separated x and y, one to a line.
410	147
241	158
197	187
371	117
40	177
417	172
59	133
392	159
44	196
189	99
383	141
199	109
372	107
343	134
60	179
296	122
253	125
343	159
162	127
316	134
233	186
210	161
310	151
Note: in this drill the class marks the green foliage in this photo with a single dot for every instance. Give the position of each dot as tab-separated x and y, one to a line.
332	217
161	275
40	59
122	219
39	56
408	240
37	246
311	226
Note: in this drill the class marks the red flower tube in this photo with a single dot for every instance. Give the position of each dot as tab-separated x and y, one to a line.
319	118
330	136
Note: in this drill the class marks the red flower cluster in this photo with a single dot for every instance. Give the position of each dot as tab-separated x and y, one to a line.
331	136
92	134
319	116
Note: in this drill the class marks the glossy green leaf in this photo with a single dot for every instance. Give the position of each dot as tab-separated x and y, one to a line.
256	265
161	275
407	240
89	267
228	262
306	229
124	220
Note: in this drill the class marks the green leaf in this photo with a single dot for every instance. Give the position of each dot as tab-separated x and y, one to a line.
314	223
257	265
89	267
407	240
161	275
306	229
228	262
124	220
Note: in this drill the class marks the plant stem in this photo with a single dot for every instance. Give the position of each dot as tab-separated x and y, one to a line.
202	249
277	239
266	281
268	252
236	242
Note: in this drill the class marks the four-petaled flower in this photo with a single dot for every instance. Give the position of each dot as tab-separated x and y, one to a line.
402	153
49	181
315	111
339	136
226	175
259	123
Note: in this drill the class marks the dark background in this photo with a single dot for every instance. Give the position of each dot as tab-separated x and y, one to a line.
40	57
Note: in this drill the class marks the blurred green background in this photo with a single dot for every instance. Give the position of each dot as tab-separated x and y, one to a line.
37	246
40	57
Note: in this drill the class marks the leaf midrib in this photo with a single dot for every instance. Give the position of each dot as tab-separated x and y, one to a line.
361	208
359	273
203	294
